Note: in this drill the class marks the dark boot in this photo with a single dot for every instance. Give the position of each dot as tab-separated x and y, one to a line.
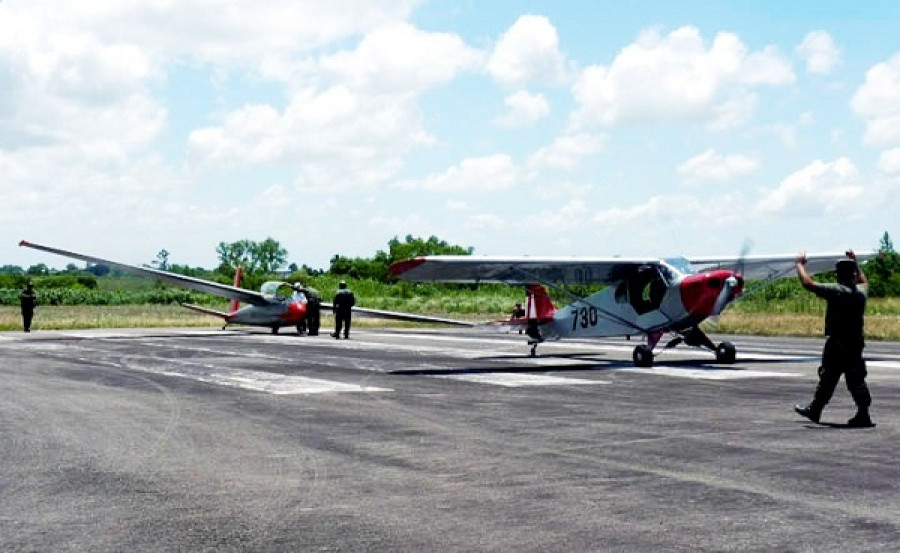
812	412
861	420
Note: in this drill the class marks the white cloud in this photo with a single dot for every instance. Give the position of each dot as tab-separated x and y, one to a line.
566	151
485	223
337	138
571	215
686	214
401	58
494	172
829	187
889	161
819	52
528	52
713	166
676	76
524	109
878	101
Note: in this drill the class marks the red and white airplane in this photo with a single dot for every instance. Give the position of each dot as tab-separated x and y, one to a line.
643	296
277	304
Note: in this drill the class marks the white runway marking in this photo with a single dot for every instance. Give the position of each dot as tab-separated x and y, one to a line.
711	374
259	381
884	364
512	380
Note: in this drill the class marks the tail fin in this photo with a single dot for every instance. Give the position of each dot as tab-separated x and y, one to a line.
237	284
540	307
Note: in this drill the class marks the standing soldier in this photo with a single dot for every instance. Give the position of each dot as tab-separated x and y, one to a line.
844	344
313	310
28	299
343	304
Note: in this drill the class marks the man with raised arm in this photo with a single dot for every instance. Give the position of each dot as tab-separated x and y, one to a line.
844	343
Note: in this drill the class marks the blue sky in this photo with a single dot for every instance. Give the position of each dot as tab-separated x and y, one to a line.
563	128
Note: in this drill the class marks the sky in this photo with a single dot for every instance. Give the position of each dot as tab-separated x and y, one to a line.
589	128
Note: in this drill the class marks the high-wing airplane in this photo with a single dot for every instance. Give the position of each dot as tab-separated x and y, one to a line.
277	304
643	296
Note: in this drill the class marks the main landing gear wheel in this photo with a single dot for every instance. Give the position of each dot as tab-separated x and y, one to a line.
725	353
643	356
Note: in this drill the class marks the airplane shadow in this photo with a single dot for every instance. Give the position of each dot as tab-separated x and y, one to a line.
594	365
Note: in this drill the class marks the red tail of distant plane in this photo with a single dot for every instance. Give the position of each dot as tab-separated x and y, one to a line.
539	307
237	283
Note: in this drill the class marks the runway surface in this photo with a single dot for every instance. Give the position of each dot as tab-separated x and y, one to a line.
202	440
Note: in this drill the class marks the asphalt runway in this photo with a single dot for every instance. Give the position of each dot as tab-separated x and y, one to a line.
451	440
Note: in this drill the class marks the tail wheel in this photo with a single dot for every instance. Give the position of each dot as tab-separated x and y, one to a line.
643	356
726	353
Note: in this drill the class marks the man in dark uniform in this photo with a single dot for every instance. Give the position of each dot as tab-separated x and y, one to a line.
844	343
313	310
28	299
342	307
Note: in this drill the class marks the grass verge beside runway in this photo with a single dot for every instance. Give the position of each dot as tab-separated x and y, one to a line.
879	326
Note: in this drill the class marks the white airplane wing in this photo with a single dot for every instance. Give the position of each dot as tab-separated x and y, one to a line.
207	286
518	270
766	267
593	270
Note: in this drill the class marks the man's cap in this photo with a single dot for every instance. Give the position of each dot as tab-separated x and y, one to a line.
845	266
342	284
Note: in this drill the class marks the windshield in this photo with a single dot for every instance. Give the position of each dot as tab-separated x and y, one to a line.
277	290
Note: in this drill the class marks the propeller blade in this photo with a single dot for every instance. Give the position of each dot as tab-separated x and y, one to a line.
724	296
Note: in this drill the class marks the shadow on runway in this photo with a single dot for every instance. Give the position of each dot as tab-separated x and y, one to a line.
597	365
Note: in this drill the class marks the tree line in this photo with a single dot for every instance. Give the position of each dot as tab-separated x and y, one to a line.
262	260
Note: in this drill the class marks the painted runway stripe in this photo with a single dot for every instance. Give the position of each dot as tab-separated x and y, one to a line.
884	364
711	374
512	380
259	381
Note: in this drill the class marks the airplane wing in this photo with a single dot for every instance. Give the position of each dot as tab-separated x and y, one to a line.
207	286
400	316
518	270
767	267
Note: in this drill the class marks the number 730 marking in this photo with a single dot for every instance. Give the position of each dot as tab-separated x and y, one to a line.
584	316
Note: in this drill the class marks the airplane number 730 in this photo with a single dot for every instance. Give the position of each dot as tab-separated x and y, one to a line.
586	316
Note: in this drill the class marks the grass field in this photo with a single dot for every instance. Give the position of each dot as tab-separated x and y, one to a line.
882	319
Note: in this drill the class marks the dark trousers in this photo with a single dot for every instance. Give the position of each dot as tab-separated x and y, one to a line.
843	357
342	320
27	315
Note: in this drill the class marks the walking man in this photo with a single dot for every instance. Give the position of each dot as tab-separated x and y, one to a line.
844	343
28	299
342	307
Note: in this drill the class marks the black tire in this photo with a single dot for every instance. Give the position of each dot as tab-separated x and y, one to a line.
726	353
642	356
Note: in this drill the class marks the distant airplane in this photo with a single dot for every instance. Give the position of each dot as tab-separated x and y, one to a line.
278	304
644	296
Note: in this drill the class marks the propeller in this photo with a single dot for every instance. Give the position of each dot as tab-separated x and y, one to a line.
725	296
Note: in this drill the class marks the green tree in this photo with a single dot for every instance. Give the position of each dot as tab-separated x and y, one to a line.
884	271
38	270
162	260
255	257
376	267
415	247
268	256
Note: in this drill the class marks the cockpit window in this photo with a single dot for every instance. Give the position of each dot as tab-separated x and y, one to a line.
277	290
